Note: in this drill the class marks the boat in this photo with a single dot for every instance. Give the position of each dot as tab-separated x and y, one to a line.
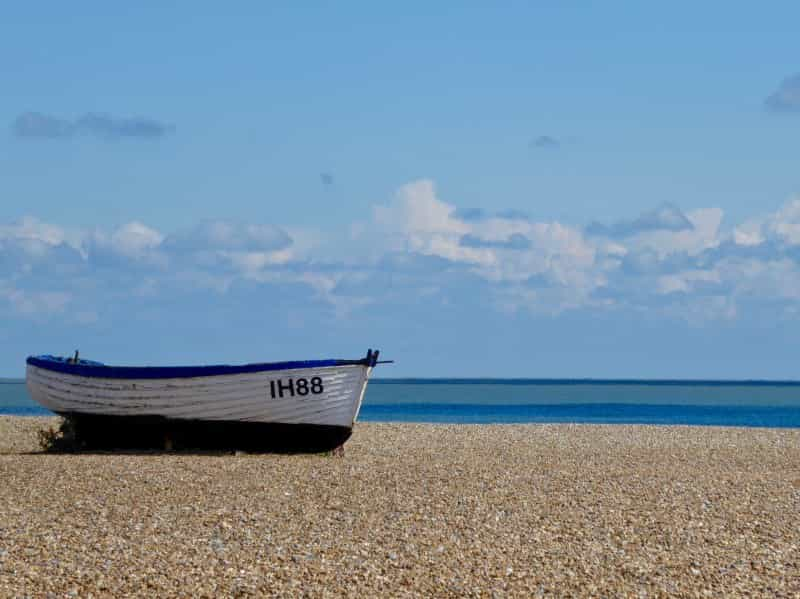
294	406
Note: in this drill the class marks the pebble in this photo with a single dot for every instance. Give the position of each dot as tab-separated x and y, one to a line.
411	510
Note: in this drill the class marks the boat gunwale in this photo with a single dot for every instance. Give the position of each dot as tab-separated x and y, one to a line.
97	370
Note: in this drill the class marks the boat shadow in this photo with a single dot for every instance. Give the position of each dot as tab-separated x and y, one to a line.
337	452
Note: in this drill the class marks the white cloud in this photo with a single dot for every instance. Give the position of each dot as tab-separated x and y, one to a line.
31	229
229	236
781	226
130	243
426	225
226	245
775	278
36	304
417	248
683	281
785	223
36	238
416	209
418	221
748	234
256	261
135	238
703	235
665	217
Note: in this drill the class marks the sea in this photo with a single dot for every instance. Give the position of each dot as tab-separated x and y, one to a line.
486	401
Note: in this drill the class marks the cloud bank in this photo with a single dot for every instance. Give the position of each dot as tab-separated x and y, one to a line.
39	126
416	249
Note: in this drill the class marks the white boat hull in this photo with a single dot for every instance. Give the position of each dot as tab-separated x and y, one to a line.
237	397
292	404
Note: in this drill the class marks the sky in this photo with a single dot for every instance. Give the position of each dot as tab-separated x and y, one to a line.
518	190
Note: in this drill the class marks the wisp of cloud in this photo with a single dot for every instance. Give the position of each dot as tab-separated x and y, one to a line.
787	97
36	125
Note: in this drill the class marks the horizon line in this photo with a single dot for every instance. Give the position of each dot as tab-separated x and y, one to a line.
553	381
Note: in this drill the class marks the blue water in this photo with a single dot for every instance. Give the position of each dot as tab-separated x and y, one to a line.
724	403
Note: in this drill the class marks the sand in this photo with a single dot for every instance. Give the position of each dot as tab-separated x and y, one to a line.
412	510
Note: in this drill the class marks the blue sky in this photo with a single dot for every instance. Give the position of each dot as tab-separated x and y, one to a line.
572	189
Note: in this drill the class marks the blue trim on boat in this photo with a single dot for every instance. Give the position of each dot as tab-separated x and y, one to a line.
88	368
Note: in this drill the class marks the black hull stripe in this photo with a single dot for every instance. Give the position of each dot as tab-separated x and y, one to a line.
95	431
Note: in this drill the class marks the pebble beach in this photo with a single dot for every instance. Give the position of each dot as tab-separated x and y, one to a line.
411	510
